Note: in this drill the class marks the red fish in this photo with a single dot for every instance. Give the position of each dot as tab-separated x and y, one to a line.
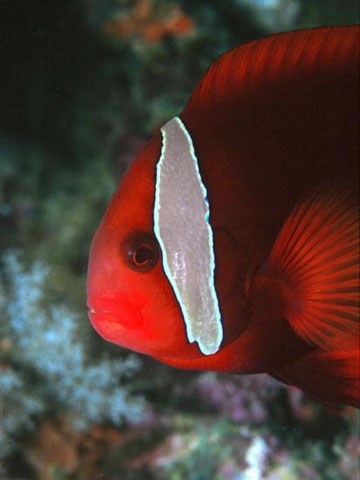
232	242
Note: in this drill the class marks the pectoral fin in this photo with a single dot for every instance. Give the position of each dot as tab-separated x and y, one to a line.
316	258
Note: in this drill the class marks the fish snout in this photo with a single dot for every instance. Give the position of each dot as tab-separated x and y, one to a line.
110	311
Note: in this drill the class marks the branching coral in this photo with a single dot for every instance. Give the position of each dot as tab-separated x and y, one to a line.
45	365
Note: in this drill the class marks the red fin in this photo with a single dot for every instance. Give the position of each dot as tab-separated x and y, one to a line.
317	257
279	56
332	377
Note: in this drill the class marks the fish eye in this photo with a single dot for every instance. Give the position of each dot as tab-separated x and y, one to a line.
143	252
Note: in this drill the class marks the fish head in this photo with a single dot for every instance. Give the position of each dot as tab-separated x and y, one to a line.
152	284
130	301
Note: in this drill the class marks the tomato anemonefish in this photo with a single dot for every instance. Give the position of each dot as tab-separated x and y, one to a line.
232	242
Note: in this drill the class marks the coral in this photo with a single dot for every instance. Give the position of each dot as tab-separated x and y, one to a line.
240	397
143	21
18	406
46	366
256	458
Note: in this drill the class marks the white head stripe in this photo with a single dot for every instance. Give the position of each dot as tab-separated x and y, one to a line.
181	225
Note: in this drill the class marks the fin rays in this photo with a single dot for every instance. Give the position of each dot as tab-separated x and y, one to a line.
278	56
318	252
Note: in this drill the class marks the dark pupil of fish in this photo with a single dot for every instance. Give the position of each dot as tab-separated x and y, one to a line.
143	255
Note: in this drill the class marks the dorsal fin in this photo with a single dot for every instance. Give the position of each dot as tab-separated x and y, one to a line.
275	57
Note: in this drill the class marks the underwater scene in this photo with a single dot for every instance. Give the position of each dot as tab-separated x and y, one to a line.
85	84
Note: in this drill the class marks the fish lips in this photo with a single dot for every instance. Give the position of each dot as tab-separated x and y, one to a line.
128	319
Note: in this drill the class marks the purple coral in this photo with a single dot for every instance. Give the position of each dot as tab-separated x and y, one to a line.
239	397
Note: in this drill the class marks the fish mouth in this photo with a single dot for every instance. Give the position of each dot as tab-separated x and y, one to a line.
126	318
95	311
103	314
105	306
97	315
92	311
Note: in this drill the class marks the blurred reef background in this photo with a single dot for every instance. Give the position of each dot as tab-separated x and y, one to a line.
83	85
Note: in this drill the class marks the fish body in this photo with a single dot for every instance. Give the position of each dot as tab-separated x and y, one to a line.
232	242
